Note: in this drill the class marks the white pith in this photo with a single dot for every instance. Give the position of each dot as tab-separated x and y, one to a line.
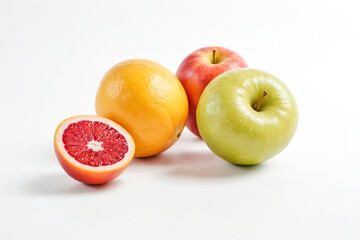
58	140
95	146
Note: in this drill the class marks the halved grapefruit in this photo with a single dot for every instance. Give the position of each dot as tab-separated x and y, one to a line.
92	149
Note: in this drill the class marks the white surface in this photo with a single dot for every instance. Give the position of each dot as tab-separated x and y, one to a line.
53	55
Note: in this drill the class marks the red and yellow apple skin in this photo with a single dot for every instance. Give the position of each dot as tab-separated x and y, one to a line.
201	67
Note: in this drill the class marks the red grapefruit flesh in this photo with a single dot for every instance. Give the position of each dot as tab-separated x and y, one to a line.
92	149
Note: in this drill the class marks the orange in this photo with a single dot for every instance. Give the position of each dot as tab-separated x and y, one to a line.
92	149
147	100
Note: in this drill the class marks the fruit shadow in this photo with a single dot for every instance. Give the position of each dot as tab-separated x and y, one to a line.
59	184
201	164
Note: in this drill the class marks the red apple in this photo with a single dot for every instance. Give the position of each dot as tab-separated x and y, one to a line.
198	69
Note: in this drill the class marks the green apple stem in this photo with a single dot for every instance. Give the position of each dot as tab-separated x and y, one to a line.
214	59
258	104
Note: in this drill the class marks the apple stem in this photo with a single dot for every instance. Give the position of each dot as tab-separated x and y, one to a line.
258	104
214	60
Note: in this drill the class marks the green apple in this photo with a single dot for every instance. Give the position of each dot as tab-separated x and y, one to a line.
246	116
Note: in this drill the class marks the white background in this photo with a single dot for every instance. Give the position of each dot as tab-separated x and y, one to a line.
53	56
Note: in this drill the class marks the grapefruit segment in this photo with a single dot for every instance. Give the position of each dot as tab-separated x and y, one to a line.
92	149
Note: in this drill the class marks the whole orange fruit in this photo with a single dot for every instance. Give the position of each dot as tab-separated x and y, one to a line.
147	100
